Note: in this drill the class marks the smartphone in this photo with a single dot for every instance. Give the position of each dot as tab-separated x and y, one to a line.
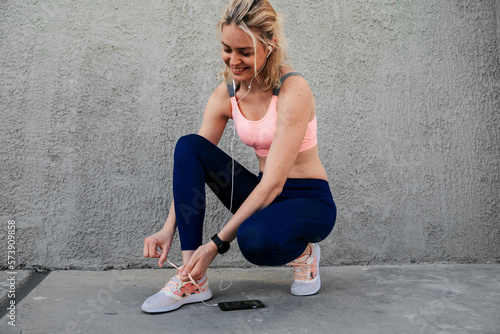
240	305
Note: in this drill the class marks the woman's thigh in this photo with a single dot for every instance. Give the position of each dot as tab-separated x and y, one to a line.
197	162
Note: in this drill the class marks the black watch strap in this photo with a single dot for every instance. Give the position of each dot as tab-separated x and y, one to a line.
222	246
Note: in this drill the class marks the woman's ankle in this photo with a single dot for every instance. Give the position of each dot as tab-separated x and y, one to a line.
186	256
305	255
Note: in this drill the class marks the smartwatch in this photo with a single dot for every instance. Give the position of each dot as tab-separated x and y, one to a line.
222	246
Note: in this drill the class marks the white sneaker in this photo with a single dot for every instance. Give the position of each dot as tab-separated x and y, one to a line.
306	272
177	293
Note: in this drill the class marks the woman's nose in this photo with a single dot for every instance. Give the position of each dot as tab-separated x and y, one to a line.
234	60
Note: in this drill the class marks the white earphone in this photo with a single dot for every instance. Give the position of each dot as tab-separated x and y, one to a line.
270	48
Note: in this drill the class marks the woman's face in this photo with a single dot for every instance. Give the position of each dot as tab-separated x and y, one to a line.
238	52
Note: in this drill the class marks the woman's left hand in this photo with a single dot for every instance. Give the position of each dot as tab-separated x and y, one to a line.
200	261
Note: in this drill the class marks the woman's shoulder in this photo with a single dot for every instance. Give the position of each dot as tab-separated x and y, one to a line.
294	82
220	101
221	93
295	93
222	90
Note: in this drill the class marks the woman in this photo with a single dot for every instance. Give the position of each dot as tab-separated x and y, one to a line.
279	214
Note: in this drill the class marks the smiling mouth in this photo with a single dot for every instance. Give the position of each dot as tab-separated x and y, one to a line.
238	70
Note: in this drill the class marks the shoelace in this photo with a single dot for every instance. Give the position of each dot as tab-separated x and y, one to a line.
300	271
180	282
176	284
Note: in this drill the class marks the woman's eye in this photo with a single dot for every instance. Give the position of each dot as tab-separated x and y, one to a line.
227	51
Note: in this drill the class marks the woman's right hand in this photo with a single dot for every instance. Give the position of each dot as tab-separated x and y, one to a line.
162	240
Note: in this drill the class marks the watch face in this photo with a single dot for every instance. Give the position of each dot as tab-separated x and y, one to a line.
224	247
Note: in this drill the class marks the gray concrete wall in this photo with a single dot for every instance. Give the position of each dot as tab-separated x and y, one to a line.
94	95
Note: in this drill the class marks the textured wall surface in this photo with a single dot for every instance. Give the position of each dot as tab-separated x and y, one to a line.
94	95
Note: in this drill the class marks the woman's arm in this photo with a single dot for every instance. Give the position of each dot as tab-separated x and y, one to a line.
295	106
217	112
161	239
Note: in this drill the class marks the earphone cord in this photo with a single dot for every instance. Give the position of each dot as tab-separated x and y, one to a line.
232	187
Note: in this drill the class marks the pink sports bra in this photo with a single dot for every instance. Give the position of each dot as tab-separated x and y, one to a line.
259	134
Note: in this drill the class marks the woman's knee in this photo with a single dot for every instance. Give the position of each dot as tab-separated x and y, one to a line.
253	243
188	142
187	147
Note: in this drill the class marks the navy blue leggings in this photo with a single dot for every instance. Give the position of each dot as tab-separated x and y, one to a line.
304	211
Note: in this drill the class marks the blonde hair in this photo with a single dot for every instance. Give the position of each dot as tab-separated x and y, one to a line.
259	20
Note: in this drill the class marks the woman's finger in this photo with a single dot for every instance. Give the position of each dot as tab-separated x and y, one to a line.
145	252
163	258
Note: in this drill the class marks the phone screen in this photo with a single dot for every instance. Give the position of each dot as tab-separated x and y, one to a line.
240	305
